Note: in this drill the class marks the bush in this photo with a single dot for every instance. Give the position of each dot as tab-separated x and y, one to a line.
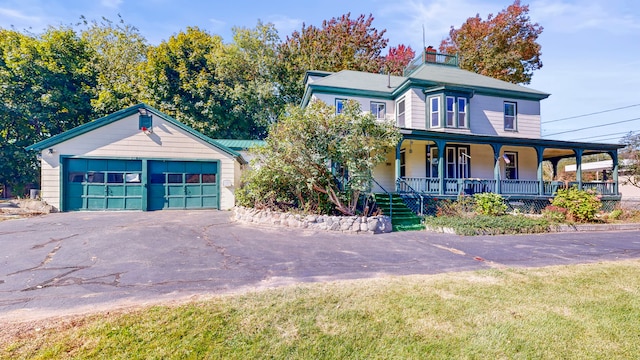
461	207
490	204
555	214
581	205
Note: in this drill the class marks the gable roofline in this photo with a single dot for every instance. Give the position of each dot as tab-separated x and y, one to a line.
121	114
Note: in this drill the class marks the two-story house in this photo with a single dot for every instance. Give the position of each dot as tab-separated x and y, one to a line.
463	132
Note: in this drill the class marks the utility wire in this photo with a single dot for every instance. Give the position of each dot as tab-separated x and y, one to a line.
589	114
593	127
597	136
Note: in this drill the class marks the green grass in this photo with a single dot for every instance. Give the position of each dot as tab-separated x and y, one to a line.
566	312
489	225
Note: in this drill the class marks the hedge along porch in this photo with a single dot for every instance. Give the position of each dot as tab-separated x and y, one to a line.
137	159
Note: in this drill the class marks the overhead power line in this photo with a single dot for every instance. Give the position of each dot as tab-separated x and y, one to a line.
589	114
603	135
595	126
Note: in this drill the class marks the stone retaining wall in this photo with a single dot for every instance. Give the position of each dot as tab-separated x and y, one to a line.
346	224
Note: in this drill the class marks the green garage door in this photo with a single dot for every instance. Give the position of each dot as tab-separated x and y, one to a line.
103	184
182	185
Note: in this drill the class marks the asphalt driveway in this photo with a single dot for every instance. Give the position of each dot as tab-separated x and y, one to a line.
85	261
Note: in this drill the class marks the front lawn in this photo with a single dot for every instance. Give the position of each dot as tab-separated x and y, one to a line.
564	312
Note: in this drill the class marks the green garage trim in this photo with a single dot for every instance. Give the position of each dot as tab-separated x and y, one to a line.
183	185
138	184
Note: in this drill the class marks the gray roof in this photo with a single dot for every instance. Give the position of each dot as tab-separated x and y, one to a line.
426	76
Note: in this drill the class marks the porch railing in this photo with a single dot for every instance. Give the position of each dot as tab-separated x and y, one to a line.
427	185
519	187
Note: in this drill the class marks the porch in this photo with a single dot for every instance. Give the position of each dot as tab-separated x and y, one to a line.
508	187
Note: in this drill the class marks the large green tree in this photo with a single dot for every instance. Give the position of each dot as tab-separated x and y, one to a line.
317	160
221	90
119	53
46	89
340	43
503	46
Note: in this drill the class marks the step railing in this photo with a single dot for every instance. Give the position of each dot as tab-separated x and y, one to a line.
388	194
403	189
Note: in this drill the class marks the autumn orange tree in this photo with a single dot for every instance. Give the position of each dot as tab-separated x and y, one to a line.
502	46
398	58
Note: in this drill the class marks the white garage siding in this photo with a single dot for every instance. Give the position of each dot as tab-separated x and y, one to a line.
123	139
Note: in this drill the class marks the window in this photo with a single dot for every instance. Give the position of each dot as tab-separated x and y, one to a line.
451	111
401	113
432	161
403	164
510	118
434	111
462	112
378	109
340	105
510	165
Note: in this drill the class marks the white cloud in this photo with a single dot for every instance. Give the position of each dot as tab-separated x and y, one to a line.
17	15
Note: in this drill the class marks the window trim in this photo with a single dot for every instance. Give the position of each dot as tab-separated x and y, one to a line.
437	112
340	108
399	114
464	113
514	121
450	117
377	112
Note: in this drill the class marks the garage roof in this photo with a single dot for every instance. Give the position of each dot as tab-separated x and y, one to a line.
119	115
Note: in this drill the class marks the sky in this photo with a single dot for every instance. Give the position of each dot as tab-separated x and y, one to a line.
590	48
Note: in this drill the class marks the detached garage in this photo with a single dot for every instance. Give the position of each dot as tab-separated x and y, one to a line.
137	159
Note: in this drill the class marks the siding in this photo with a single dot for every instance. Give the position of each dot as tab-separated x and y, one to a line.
487	117
123	139
365	103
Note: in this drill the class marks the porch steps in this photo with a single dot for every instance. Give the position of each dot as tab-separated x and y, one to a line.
402	218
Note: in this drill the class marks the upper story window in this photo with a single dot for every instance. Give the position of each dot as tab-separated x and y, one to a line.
400	117
510	116
454	114
462	112
378	109
434	111
451	111
340	105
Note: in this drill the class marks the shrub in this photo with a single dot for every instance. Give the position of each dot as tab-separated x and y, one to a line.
615	214
581	205
555	214
460	207
490	204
